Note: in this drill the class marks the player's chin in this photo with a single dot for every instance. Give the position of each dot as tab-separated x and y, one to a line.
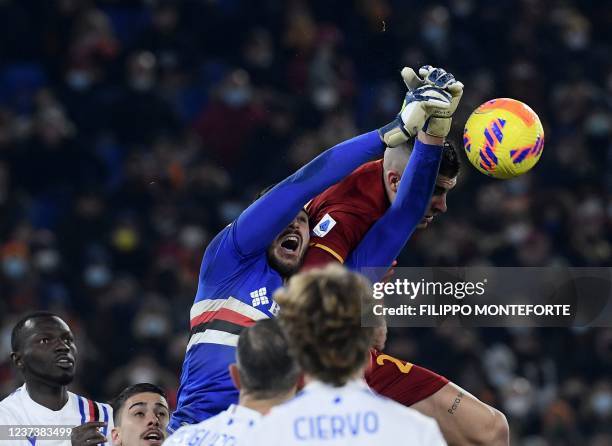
423	224
286	264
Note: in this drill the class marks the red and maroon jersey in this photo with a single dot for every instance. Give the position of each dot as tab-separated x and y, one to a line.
342	214
401	381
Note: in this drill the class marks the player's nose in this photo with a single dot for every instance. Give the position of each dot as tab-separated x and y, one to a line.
440	204
153	420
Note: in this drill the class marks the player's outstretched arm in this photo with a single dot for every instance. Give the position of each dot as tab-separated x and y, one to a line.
261	222
464	419
387	237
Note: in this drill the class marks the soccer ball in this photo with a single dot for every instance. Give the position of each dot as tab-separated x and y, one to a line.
503	138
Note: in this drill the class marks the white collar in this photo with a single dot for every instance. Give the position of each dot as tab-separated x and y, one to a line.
242	412
30	400
354	384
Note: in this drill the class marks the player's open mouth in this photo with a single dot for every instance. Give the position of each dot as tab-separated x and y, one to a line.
65	362
428	218
154	436
290	243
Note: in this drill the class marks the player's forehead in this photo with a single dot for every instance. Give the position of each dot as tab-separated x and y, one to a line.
145	400
446	183
46	325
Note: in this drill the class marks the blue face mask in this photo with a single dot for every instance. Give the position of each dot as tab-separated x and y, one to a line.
97	276
79	80
236	97
602	403
14	267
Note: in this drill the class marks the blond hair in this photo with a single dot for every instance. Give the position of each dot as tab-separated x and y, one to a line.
321	316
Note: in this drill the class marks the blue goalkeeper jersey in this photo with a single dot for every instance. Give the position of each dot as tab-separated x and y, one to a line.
236	282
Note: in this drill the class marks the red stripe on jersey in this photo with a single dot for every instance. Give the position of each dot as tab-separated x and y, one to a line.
92	416
223	314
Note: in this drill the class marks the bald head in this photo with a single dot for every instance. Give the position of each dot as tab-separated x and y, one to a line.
396	158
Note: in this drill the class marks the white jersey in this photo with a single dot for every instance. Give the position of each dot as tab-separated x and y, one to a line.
224	429
18	411
349	415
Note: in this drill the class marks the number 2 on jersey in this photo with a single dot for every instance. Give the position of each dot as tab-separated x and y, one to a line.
404	368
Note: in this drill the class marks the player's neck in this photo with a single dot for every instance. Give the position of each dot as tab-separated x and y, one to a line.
51	396
263	406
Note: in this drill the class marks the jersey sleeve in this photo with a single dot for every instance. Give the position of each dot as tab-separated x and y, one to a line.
336	244
261	222
387	237
400	380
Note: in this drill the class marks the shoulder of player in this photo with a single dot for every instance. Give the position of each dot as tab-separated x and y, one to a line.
11	398
9	406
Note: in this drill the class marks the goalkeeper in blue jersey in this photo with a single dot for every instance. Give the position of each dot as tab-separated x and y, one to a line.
252	257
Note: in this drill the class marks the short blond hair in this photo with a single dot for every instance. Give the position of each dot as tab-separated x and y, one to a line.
320	313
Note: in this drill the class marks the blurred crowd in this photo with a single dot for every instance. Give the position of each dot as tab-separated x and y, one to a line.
132	131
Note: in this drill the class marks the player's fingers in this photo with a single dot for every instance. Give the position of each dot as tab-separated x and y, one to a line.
96	440
440	104
425	70
411	79
456	88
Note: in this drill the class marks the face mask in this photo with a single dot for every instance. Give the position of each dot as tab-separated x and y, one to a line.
78	80
325	98
598	125
152	326
14	267
141	374
47	260
434	34
517	406
192	237
602	404
97	276
236	97
142	83
576	40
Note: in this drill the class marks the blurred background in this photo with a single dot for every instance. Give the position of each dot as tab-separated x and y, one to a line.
132	131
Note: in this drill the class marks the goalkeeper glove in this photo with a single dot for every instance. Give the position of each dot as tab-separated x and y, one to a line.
440	122
418	106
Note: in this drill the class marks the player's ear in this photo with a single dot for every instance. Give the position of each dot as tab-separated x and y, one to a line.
116	436
16	358
233	371
393	179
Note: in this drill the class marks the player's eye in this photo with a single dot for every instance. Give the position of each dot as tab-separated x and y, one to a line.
139	414
44	340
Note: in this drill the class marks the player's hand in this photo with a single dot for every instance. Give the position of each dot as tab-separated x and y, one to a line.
440	123
88	434
418	106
